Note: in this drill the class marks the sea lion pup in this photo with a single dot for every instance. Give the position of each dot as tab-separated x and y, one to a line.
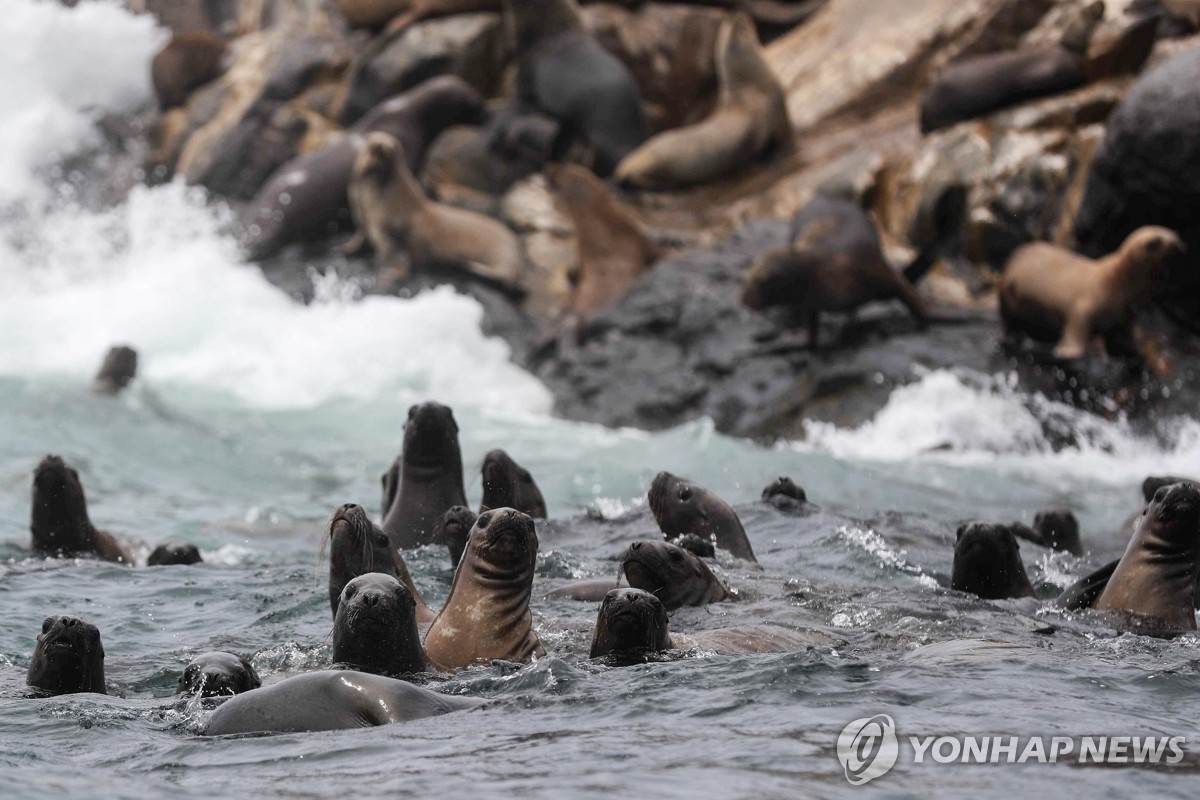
834	263
188	61
60	523
506	484
1053	295
68	657
979	85
218	674
431	476
118	370
330	700
454	528
564	72
750	119
487	614
614	251
987	563
675	576
391	210
174	553
359	547
375	629
680	507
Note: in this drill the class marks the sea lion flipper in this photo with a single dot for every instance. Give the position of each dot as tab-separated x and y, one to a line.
1084	592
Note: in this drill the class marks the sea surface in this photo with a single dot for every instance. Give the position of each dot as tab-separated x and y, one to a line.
254	417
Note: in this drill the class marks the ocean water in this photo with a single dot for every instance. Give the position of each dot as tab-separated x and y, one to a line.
254	417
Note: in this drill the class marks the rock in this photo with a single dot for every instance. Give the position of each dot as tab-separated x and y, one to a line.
191	16
241	159
304	61
1121	47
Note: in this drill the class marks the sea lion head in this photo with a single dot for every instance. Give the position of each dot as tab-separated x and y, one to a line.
448	100
503	544
118	370
1059	530
534	20
1155	482
675	576
506	484
68	658
376	626
1150	250
378	158
1171	522
60	521
630	621
218	674
784	487
454	528
695	545
431	436
171	553
677	504
357	546
777	277
987	563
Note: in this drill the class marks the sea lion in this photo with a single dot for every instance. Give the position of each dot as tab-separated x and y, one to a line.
118	370
987	563
1155	580
68	657
359	547
60	523
681	506
694	544
675	576
785	494
174	553
1058	529
375	629
454	528
835	263
749	121
218	674
407	229
431	476
1054	295
188	61
487	614
979	85
506	484
614	251
587	590
330	700
564	72
306	199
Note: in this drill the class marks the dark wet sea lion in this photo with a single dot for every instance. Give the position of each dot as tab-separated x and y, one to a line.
681	506
431	476
987	563
359	547
185	63
694	544
375	629
454	529
60	523
68	657
835	263
675	576
487	614
118	370
506	484
174	553
218	674
784	487
330	700
1153	483
1059	530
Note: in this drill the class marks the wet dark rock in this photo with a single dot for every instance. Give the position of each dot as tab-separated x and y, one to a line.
303	61
246	154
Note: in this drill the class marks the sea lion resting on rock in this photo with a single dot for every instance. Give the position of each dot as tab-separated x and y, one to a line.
376	627
431	476
750	118
359	547
60	523
681	506
487	614
188	61
1054	295
675	576
834	263
118	370
506	484
68	657
987	563
391	210
218	674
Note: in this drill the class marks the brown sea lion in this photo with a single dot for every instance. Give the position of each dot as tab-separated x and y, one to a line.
60	523
487	614
359	547
217	675
118	370
174	553
375	629
431	476
506	484
681	506
750	120
188	61
675	576
987	563
835	263
614	250
1054	295
68	658
454	528
408	229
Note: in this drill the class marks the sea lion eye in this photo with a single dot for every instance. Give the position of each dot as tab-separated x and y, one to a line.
1160	495
381	539
46	623
483	520
685	493
348	592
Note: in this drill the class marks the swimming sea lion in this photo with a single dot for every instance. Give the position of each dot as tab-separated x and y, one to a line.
1054	295
407	229
1057	529
68	657
987	563
60	523
681	506
487	614
188	61
330	700
834	263
694	544
431	476
359	547
506	484
117	371
675	576
785	494
454	528
174	553
376	627
218	674
750	119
